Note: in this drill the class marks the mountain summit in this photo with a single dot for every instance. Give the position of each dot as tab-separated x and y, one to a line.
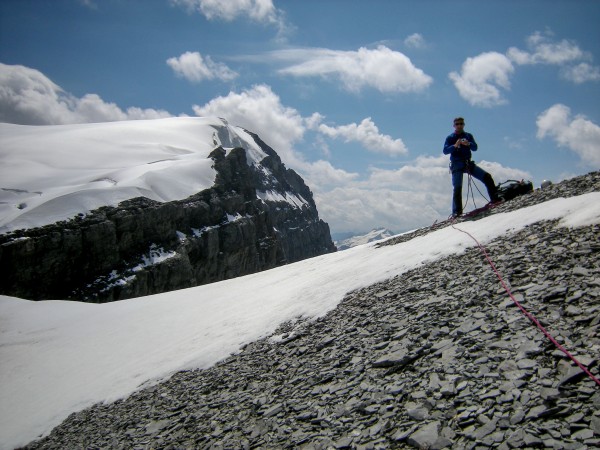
106	211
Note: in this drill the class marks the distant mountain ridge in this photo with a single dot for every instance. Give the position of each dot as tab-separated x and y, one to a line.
101	212
353	240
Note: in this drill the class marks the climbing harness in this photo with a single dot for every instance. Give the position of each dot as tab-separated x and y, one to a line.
470	191
524	311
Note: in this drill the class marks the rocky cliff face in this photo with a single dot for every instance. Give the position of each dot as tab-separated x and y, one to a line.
255	217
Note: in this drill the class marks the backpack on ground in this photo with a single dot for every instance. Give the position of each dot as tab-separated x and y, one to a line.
513	188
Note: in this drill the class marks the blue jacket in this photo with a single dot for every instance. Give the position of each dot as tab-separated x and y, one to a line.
459	156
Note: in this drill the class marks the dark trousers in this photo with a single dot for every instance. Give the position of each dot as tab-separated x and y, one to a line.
457	183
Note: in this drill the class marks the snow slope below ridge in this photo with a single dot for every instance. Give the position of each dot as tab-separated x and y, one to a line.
59	357
52	173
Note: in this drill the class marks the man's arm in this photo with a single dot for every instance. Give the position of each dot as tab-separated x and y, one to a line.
472	143
449	145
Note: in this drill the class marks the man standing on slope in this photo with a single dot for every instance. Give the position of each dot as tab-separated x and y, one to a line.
459	146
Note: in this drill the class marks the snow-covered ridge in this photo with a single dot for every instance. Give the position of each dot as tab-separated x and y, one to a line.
373	235
52	173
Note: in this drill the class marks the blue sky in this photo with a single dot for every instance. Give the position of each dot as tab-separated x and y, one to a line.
356	96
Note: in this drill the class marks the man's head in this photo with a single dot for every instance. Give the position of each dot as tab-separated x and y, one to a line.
459	123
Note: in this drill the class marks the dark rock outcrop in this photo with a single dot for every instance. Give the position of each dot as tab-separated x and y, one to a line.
145	247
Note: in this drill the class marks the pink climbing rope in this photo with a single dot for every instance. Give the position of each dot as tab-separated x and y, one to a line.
527	313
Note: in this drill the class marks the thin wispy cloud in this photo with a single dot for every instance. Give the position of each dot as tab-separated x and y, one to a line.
381	68
542	50
89	3
415	40
575	63
581	73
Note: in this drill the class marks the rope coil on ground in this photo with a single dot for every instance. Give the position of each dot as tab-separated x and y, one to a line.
524	311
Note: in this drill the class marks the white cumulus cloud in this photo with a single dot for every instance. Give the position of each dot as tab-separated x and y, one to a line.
581	73
381	68
28	97
193	67
543	51
367	134
260	110
260	11
482	79
577	133
566	54
228	10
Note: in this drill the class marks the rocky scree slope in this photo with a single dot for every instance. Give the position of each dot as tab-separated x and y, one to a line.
145	247
438	357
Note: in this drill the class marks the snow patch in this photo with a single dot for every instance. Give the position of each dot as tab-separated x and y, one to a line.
115	279
156	255
232	218
287	197
197	232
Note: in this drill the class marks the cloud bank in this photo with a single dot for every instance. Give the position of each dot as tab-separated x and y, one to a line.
28	97
415	195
